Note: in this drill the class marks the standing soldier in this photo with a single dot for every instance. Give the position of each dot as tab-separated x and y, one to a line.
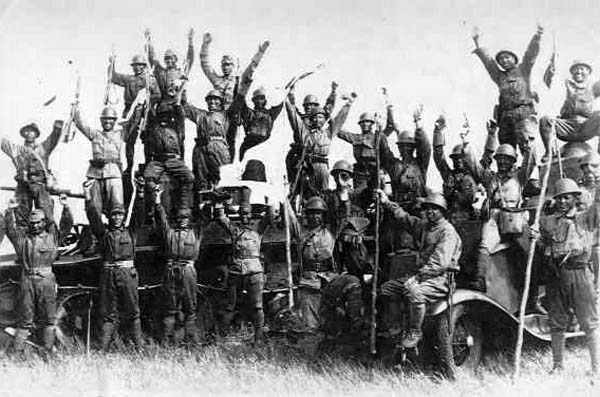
105	165
567	236
181	246
31	162
246	272
257	122
36	250
118	277
590	182
225	82
515	111
577	121
311	102
170	76
440	247
314	142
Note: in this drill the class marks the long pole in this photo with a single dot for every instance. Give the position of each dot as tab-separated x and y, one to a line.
524	298
373	335
288	248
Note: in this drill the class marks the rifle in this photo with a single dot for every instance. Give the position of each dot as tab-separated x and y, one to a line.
288	248
373	333
109	73
68	130
53	192
466	129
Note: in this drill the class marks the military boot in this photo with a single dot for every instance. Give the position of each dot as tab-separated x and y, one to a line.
107	332
593	340
558	347
415	322
48	337
191	330
259	323
21	335
168	329
136	333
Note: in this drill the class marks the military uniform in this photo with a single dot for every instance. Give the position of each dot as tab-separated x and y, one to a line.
328	106
180	247
516	103
341	310
168	78
36	253
31	163
118	277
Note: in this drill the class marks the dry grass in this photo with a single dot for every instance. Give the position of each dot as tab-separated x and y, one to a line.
275	371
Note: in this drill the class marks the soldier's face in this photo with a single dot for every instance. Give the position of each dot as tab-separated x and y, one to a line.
214	104
170	62
309	107
260	102
36	227
29	135
116	219
591	173
565	202
504	163
244	218
318	120
506	61
107	123
138	68
314	218
227	68
183	223
343	180
406	150
459	163
580	73
433	213
366	126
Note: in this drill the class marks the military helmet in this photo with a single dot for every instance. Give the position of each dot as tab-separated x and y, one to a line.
342	165
254	171
566	186
169	53
506	150
138	59
108	113
579	62
227	59
458	151
117	209
310	99
366	116
590	158
315	203
36	215
318	110
509	52
406	137
258	92
30	127
214	94
436	199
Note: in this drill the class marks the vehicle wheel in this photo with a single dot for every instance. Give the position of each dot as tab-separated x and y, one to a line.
463	348
72	321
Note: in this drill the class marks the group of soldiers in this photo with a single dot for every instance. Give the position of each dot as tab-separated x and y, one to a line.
334	262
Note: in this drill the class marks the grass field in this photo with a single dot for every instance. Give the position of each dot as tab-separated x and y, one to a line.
276	371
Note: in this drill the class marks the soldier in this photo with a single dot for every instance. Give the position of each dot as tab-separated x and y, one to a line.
257	122
36	250
311	102
246	271
225	83
105	165
170	77
409	173
118	277
181	245
577	121
440	247
315	142
515	111
31	162
364	146
567	236
590	182
164	155
214	143
458	183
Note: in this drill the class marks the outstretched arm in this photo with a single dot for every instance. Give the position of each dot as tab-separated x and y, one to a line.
439	141
423	146
190	53
330	101
488	62
246	78
116	78
340	118
531	54
51	141
152	54
93	216
295	120
205	64
82	125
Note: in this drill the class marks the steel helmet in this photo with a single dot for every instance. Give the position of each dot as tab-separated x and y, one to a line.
342	165
214	94
227	59
138	59
170	54
366	116
258	92
509	52
30	127
506	150
579	62
318	110
590	158
310	99
436	199
108	113
566	186
458	151
406	137
117	209
315	203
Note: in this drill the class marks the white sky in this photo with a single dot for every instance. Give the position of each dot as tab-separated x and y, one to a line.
421	51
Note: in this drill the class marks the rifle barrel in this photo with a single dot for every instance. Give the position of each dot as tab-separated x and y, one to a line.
53	192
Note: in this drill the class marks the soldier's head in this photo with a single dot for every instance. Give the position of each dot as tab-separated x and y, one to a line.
566	195
37	221
116	218
590	167
580	71
227	65
108	118
309	103
458	157
507	59
434	206
138	64
406	144
170	59
342	173
259	98
505	157
318	117
315	210
214	100
183	219
366	121
245	209
30	133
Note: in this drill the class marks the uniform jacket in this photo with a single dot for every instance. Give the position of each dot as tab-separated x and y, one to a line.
167	77
179	244
409	176
580	99
132	85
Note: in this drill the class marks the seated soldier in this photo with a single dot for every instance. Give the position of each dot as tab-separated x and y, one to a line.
440	247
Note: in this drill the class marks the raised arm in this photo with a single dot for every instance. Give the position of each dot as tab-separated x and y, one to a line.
16	233
390	125
439	141
152	54
160	215
340	118
52	140
82	125
423	146
66	218
488	62
119	79
92	213
207	67
408	221
330	101
346	136
531	54
295	120
189	62
191	112
247	75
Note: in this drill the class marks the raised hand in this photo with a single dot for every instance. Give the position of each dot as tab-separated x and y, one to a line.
440	123
207	38
475	35
58	124
491	126
262	47
540	29
334	86
147	34
418	113
191	35
62	199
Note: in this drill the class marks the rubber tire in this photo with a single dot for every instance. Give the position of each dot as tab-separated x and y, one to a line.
72	310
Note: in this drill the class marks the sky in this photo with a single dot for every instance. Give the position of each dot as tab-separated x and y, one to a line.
420	51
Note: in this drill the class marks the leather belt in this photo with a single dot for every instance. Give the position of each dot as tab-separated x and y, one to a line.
163	157
180	262
317	267
40	271
119	264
